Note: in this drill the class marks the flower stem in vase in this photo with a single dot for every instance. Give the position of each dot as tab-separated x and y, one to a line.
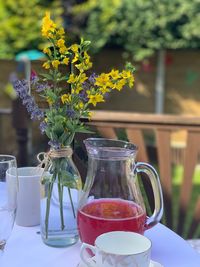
50	188
72	205
60	194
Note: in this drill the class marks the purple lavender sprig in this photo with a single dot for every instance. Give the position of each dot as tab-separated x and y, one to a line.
38	85
87	85
55	144
21	87
92	78
70	113
43	126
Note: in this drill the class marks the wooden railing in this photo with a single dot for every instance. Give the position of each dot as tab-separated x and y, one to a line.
161	128
18	120
3	112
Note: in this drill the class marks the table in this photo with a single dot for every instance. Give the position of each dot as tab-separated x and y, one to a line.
26	249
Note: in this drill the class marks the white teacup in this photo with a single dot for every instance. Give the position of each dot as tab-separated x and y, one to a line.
118	248
28	199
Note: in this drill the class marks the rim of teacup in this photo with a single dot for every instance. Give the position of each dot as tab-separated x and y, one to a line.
32	171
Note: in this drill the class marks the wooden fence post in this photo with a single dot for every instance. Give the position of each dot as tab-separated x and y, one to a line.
20	124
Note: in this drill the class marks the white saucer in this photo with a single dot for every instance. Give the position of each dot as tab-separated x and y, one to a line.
155	264
152	264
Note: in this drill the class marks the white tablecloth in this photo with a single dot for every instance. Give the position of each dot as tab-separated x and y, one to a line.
26	249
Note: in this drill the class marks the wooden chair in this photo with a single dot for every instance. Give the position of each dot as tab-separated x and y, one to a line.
139	129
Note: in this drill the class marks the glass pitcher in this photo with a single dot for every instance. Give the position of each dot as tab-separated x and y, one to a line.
111	199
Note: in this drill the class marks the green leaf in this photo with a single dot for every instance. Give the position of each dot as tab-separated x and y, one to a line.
46	179
58	129
54	136
84	130
70	126
47	76
48	132
67	179
51	94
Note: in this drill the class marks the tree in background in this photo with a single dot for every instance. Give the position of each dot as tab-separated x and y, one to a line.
20	24
142	28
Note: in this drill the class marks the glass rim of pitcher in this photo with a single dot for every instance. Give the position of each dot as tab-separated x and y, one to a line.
5	158
129	149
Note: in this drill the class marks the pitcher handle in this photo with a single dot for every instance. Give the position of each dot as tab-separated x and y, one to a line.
157	192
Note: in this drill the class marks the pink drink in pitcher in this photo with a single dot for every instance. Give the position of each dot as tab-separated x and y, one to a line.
111	199
104	215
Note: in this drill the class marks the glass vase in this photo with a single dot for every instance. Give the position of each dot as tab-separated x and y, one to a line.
61	187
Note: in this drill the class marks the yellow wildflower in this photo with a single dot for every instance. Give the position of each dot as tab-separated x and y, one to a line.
65	61
66	98
131	81
76	57
102	80
47	51
104	90
72	78
86	58
48	26
80	67
55	63
74	48
126	74
50	35
82	77
46	65
114	74
61	31
119	84
60	43
49	101
94	99
63	49
80	105
76	90
89	65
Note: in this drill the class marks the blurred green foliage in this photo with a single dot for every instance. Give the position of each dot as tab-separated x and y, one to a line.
141	27
21	22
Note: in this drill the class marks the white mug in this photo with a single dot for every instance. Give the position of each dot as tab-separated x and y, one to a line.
28	198
118	248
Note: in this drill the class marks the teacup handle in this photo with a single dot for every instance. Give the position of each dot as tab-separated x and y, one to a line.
157	191
84	255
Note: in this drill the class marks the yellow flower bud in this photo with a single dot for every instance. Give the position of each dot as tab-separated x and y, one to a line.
72	78
74	48
61	31
60	42
47	51
66	98
46	65
48	25
63	50
66	61
55	63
